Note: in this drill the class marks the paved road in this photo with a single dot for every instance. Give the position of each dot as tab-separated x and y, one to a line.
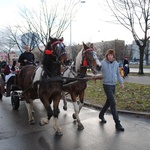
138	79
136	70
17	134
145	79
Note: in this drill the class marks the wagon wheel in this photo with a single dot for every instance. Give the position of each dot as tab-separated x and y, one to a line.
15	100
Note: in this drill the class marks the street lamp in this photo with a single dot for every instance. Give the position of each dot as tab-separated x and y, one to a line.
71	28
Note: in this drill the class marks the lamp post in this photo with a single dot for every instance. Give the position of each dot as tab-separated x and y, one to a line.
71	56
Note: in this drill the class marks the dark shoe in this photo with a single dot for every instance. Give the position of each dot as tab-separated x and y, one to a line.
103	120
119	127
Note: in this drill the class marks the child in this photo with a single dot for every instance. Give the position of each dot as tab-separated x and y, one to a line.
121	70
125	70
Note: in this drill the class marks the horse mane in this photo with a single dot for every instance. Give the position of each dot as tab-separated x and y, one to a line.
48	59
78	61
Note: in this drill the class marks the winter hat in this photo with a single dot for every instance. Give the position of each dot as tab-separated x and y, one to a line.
110	51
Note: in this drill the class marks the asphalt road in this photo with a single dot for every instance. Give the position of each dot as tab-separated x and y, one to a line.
138	79
136	70
17	134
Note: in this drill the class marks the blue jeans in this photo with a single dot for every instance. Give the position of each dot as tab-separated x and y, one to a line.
110	102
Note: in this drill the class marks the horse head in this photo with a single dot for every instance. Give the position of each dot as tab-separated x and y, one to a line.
56	51
54	55
90	59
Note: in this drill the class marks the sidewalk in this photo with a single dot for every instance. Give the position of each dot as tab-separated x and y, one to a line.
138	79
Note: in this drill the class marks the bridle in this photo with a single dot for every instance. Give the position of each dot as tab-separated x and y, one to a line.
86	63
56	51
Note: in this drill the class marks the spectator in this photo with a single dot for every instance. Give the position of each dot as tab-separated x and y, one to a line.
9	70
126	66
121	70
8	77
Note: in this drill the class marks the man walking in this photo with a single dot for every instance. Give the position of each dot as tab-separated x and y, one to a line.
111	74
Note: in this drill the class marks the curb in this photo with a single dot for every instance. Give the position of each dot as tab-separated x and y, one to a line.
98	107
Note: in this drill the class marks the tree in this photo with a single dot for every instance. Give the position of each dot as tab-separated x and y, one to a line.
49	18
147	52
6	43
135	16
31	39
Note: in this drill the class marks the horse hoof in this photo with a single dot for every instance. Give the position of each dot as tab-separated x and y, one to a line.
74	116
32	121
80	127
43	121
65	108
59	133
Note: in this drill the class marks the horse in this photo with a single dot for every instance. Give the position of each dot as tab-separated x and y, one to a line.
86	58
44	82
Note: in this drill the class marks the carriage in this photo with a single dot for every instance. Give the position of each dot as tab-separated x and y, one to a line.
47	83
15	92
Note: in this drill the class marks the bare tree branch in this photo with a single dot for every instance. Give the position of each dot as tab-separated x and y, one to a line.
50	18
135	16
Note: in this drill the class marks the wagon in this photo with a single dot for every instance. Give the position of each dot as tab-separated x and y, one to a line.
16	96
15	91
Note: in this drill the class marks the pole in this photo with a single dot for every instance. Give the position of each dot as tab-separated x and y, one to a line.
71	55
70	37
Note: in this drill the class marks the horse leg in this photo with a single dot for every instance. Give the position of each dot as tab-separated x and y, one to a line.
64	101
45	120
29	106
50	113
81	98
80	104
56	113
76	114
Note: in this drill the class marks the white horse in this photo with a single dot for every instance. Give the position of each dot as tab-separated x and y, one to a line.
85	59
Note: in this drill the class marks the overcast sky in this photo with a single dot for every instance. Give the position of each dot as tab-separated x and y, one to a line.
89	25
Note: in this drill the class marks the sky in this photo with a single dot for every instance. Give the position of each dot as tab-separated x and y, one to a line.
89	25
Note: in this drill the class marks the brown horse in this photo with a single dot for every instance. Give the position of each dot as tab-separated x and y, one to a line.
45	82
85	59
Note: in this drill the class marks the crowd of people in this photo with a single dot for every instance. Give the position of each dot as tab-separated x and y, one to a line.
11	67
